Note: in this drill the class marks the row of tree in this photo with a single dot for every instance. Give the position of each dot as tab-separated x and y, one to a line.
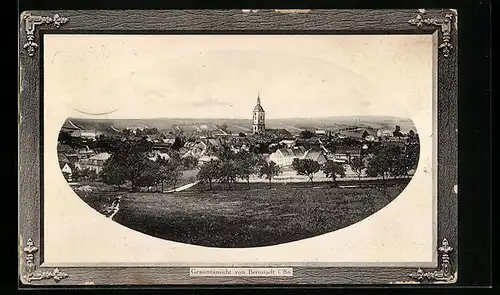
130	163
229	166
386	161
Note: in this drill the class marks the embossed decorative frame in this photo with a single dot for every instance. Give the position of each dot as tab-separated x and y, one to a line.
442	24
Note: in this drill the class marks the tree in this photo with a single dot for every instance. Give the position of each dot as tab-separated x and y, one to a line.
228	173
228	170
151	131
209	172
163	170
173	176
88	174
189	162
126	132
177	143
173	168
400	166
380	163
76	174
396	160
405	160
113	173
365	134
139	132
65	138
225	154
411	133
131	157
306	167
246	164
357	165
241	134
269	170
135	164
332	169
397	131
412	155
306	134
149	176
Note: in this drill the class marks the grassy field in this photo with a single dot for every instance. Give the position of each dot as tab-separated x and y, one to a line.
101	196
250	218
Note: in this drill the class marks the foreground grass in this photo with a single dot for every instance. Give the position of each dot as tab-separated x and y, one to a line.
250	218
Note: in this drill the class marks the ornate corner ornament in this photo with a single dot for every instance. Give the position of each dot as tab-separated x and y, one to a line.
445	271
37	275
445	24
31	21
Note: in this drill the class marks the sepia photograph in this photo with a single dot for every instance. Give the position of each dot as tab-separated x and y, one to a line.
235	183
262	157
237	141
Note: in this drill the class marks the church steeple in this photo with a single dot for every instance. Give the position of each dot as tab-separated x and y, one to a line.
259	117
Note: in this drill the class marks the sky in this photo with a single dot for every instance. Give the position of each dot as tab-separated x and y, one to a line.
220	76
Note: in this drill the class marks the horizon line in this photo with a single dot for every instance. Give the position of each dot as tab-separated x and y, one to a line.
242	118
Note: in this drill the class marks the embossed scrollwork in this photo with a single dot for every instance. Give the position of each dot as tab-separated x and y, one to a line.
37	275
445	24
31	21
444	273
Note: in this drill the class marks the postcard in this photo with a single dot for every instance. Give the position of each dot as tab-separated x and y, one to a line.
261	152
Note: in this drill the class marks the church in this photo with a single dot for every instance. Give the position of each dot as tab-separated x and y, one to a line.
259	124
259	118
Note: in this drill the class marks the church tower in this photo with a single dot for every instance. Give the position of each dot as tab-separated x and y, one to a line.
259	119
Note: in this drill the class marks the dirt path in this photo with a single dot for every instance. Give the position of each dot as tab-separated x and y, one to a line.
115	206
184	187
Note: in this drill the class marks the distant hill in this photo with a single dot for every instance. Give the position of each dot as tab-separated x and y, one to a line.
293	125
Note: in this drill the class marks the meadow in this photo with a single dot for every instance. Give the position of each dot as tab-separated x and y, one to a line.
260	216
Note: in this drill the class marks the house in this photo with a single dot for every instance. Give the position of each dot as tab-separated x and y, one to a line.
85	134
315	155
68	152
320	132
278	134
384	133
161	147
64	165
204	159
189	153
289	143
325	149
344	154
216	143
193	149
169	140
85	153
65	149
370	138
95	163
66	170
134	128
284	157
153	156
200	148
136	138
